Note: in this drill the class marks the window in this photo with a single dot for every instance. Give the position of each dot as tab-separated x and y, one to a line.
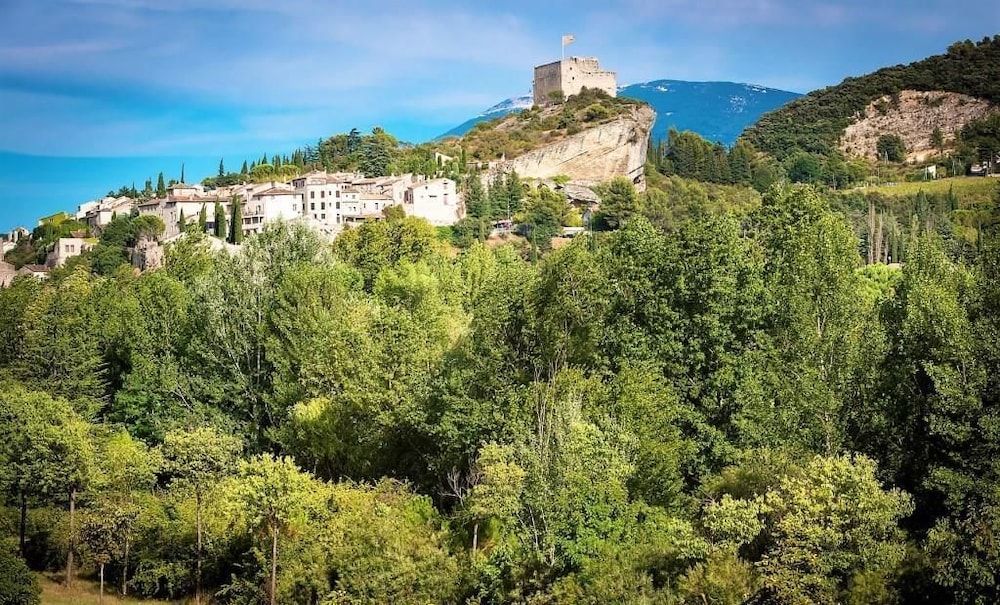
322	205
322	194
338	205
312	205
323	216
338	193
312	195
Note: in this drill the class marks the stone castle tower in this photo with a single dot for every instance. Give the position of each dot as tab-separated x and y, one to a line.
569	76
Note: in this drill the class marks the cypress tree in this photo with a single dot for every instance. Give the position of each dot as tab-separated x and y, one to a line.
161	188
244	171
236	236
220	221
515	191
222	168
182	173
181	222
203	219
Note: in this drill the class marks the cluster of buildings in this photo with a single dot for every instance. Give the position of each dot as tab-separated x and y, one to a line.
328	202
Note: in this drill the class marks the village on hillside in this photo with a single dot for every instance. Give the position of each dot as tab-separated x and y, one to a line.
330	202
327	202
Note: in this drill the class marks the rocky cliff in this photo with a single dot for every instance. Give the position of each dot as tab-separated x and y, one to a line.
614	148
913	115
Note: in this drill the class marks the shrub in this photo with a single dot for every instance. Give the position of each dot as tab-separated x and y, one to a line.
595	112
18	586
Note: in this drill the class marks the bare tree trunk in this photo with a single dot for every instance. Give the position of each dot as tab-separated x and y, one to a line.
197	578
871	233
23	527
274	565
100	599
475	537
125	566
72	537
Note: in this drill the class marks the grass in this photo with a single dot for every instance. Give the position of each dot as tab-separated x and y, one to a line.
86	592
968	188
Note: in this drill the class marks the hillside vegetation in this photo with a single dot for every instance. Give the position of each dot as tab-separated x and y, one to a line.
814	123
518	133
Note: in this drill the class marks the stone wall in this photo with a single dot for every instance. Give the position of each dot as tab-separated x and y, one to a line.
570	76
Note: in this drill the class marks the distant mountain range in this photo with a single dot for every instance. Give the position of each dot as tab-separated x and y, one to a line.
718	111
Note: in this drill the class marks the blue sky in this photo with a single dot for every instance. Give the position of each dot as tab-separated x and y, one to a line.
99	93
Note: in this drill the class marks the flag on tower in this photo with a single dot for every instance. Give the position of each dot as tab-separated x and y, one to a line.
568	39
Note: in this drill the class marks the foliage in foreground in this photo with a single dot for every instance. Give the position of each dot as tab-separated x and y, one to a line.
713	402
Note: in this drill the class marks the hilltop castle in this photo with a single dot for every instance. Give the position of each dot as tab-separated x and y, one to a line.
569	76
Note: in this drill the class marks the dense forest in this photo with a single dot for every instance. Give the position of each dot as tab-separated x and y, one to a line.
713	400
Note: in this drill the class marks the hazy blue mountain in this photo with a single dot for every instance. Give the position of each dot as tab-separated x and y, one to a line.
718	111
497	111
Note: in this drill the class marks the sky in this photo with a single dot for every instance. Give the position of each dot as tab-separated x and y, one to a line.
95	94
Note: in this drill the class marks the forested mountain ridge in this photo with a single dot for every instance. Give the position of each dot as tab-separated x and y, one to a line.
815	122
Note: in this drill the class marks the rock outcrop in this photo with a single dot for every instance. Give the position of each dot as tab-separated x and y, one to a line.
594	155
913	115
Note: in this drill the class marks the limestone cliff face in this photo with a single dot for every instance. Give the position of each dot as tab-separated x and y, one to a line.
616	148
913	117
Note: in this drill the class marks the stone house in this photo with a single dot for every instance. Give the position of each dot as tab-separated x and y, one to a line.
68	247
436	200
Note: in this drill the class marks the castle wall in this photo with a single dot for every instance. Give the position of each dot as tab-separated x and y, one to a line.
570	76
548	79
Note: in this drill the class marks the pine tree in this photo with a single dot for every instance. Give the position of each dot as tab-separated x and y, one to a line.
220	221
236	228
202	219
161	188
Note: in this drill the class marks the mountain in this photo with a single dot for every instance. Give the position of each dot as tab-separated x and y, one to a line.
718	111
497	111
885	101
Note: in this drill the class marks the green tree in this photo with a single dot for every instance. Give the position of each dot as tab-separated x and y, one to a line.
543	216
277	497
619	202
890	148
197	459
161	188
202	219
937	139
829	528
236	224
126	471
219	217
